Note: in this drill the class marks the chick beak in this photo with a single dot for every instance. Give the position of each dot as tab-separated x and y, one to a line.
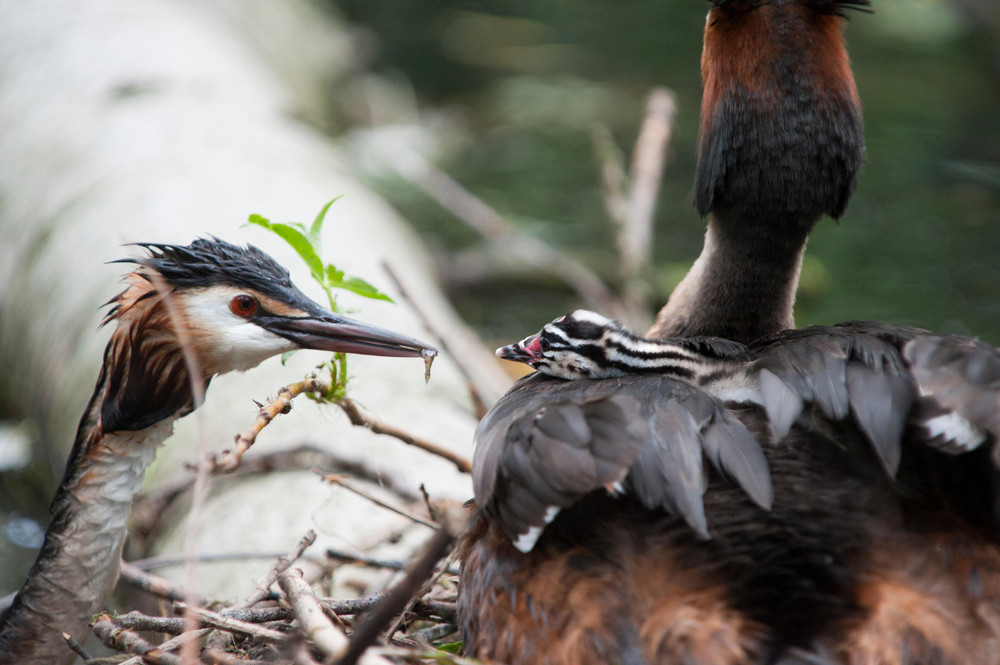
333	332
525	351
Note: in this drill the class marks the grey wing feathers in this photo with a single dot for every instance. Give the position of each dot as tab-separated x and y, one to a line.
885	378
688	425
669	473
840	371
536	456
549	442
781	402
733	449
880	404
814	369
959	384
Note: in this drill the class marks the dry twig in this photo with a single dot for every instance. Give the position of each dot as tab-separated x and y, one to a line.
232	625
152	584
402	616
361	420
198	386
76	647
402	594
630	200
315	625
115	637
492	226
229	460
475	391
635	239
361	560
280	566
341	481
147	624
155	562
215	656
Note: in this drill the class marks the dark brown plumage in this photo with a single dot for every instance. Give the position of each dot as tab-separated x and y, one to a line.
881	544
781	144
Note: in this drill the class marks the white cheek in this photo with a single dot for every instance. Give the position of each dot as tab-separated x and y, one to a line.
229	342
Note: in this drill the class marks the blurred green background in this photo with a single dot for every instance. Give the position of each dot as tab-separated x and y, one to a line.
514	88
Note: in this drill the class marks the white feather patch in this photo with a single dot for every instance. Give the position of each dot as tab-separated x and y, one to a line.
959	434
526	541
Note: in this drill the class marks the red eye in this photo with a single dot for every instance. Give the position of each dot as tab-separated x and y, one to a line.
243	305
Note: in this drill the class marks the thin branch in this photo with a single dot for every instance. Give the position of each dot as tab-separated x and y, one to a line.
215	656
244	621
339	607
198	384
153	584
229	460
137	621
475	391
317	628
190	636
630	200
280	566
115	637
154	562
361	560
341	481
367	631
424	589
492	226
189	650
76	647
134	621
453	518
228	623
614	185
646	172
361	420
425	608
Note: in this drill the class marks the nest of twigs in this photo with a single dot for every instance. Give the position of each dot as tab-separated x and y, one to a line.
410	619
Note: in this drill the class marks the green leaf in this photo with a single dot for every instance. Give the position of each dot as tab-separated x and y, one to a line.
316	230
299	242
302	230
333	276
286	355
336	279
362	288
453	647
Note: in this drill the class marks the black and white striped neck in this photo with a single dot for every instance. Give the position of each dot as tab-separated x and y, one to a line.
587	345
